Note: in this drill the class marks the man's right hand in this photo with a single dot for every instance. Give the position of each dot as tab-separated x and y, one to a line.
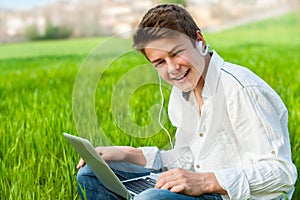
118	153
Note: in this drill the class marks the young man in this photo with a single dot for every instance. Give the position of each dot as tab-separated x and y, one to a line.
232	138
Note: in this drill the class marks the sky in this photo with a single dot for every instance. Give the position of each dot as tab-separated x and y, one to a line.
22	4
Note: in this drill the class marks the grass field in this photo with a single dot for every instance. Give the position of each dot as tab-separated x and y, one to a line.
36	87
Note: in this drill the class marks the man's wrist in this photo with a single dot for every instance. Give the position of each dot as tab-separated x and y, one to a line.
134	155
212	185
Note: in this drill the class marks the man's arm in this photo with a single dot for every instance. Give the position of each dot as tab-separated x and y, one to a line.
119	153
134	155
259	121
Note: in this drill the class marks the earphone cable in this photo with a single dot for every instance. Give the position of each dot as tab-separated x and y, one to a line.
160	112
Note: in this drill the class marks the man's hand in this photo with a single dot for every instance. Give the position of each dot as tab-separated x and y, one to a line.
189	182
114	153
119	153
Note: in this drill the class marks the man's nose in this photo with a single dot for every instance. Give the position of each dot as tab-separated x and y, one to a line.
172	66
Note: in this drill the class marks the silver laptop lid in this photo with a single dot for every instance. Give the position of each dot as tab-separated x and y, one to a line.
99	167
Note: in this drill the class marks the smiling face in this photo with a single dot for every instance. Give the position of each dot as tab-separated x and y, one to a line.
177	61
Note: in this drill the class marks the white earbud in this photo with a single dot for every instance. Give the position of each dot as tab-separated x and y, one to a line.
205	51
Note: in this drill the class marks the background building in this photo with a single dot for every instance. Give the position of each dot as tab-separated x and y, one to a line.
86	18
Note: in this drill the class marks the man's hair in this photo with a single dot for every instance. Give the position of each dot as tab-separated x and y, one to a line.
164	21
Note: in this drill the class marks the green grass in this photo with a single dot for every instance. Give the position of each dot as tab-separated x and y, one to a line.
36	85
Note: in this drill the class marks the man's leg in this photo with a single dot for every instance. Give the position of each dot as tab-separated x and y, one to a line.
89	185
159	194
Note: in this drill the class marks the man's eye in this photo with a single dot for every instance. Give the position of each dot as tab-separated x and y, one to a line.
176	53
158	64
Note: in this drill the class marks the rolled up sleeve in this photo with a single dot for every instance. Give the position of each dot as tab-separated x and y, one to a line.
235	182
262	180
153	158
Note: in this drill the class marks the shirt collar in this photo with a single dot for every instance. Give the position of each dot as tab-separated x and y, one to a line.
212	77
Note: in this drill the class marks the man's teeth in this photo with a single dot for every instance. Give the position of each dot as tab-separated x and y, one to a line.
182	75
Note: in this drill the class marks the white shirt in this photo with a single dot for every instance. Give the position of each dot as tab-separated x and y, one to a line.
241	134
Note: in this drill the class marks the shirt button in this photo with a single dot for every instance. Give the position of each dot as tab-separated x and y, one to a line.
198	166
273	152
201	134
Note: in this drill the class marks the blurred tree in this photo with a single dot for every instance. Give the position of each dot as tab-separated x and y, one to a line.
180	2
56	32
51	32
32	33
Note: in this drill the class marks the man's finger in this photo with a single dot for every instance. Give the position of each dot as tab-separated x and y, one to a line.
177	188
80	164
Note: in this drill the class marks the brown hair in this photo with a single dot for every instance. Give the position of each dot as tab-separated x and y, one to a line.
164	21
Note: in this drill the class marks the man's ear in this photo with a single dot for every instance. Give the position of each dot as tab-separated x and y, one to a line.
200	38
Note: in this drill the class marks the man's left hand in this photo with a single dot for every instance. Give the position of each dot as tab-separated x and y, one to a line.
189	182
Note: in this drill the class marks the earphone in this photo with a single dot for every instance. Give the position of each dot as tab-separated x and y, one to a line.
203	53
160	112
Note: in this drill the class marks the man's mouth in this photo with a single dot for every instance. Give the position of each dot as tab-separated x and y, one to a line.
181	76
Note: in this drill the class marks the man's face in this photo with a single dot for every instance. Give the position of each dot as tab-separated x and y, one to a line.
177	61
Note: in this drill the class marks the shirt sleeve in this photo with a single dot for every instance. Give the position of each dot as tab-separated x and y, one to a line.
153	158
259	120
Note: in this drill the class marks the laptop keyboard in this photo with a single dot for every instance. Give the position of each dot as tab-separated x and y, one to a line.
139	185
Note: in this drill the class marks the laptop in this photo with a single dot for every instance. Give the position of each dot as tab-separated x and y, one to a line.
127	188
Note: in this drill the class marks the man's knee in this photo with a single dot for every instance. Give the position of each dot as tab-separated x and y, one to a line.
84	174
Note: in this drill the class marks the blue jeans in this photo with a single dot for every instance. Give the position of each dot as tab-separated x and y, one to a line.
90	187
